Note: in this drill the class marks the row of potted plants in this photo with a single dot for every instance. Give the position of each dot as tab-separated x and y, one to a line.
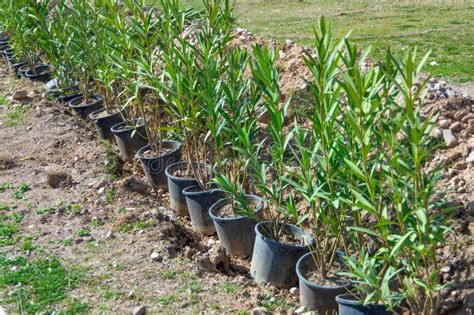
338	199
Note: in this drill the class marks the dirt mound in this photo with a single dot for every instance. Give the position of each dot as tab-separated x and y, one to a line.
57	180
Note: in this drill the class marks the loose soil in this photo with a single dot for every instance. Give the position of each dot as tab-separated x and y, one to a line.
285	237
183	174
332	279
103	114
154	154
227	211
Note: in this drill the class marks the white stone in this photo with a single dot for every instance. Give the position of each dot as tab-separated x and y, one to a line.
449	139
155	256
470	158
294	291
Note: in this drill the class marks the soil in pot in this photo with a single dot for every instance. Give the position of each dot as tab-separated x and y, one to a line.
274	261
82	108
316	292
199	202
351	305
130	139
236	232
104	121
155	164
178	180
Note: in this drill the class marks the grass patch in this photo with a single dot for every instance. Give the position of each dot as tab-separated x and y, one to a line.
167	300
15	116
3	101
110	194
83	232
230	287
113	164
61	206
5	186
37	286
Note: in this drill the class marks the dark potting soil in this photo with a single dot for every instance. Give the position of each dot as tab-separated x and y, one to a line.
155	153
227	211
332	280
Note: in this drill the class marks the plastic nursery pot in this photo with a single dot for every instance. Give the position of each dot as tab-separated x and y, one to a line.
176	184
274	262
316	297
155	166
350	305
103	121
130	139
83	110
22	70
236	234
42	73
66	98
199	202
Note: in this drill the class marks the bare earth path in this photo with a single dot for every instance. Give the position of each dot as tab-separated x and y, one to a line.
64	194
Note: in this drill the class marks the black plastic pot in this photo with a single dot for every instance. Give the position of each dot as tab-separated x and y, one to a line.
155	167
103	124
83	110
199	202
314	297
274	262
14	64
237	235
349	305
42	73
176	186
66	98
22	70
130	139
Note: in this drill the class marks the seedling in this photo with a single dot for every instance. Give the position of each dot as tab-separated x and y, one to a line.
83	232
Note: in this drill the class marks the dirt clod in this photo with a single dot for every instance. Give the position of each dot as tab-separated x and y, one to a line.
6	163
58	180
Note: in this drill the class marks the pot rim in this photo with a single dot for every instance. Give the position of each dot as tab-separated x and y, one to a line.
311	284
225	201
140	123
171	166
351	299
147	148
269	240
31	75
94	97
94	113
186	191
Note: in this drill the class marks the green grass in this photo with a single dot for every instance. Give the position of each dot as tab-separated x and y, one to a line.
3	101
15	116
445	27
37	286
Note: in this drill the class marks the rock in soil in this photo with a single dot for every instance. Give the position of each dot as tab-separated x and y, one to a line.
260	311
449	139
20	95
139	310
